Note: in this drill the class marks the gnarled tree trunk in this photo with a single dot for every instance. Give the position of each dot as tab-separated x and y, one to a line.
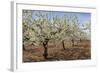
45	45
63	44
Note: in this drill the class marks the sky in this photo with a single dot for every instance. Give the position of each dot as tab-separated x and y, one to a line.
82	17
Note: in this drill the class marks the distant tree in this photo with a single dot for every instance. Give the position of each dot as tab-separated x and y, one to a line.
62	29
87	30
74	29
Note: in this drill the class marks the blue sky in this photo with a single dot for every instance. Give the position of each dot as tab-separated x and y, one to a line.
82	17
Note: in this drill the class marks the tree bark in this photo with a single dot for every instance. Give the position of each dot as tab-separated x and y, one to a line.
72	42
45	45
63	45
23	47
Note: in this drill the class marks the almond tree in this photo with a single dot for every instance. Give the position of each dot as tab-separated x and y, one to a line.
87	30
74	29
68	28
26	21
62	29
43	31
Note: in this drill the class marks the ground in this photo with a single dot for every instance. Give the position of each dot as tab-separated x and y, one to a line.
81	51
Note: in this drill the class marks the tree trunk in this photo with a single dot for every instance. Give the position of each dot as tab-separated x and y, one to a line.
63	45
45	52
23	47
80	40
45	45
72	42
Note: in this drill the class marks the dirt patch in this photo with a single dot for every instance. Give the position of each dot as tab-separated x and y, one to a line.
82	51
68	54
